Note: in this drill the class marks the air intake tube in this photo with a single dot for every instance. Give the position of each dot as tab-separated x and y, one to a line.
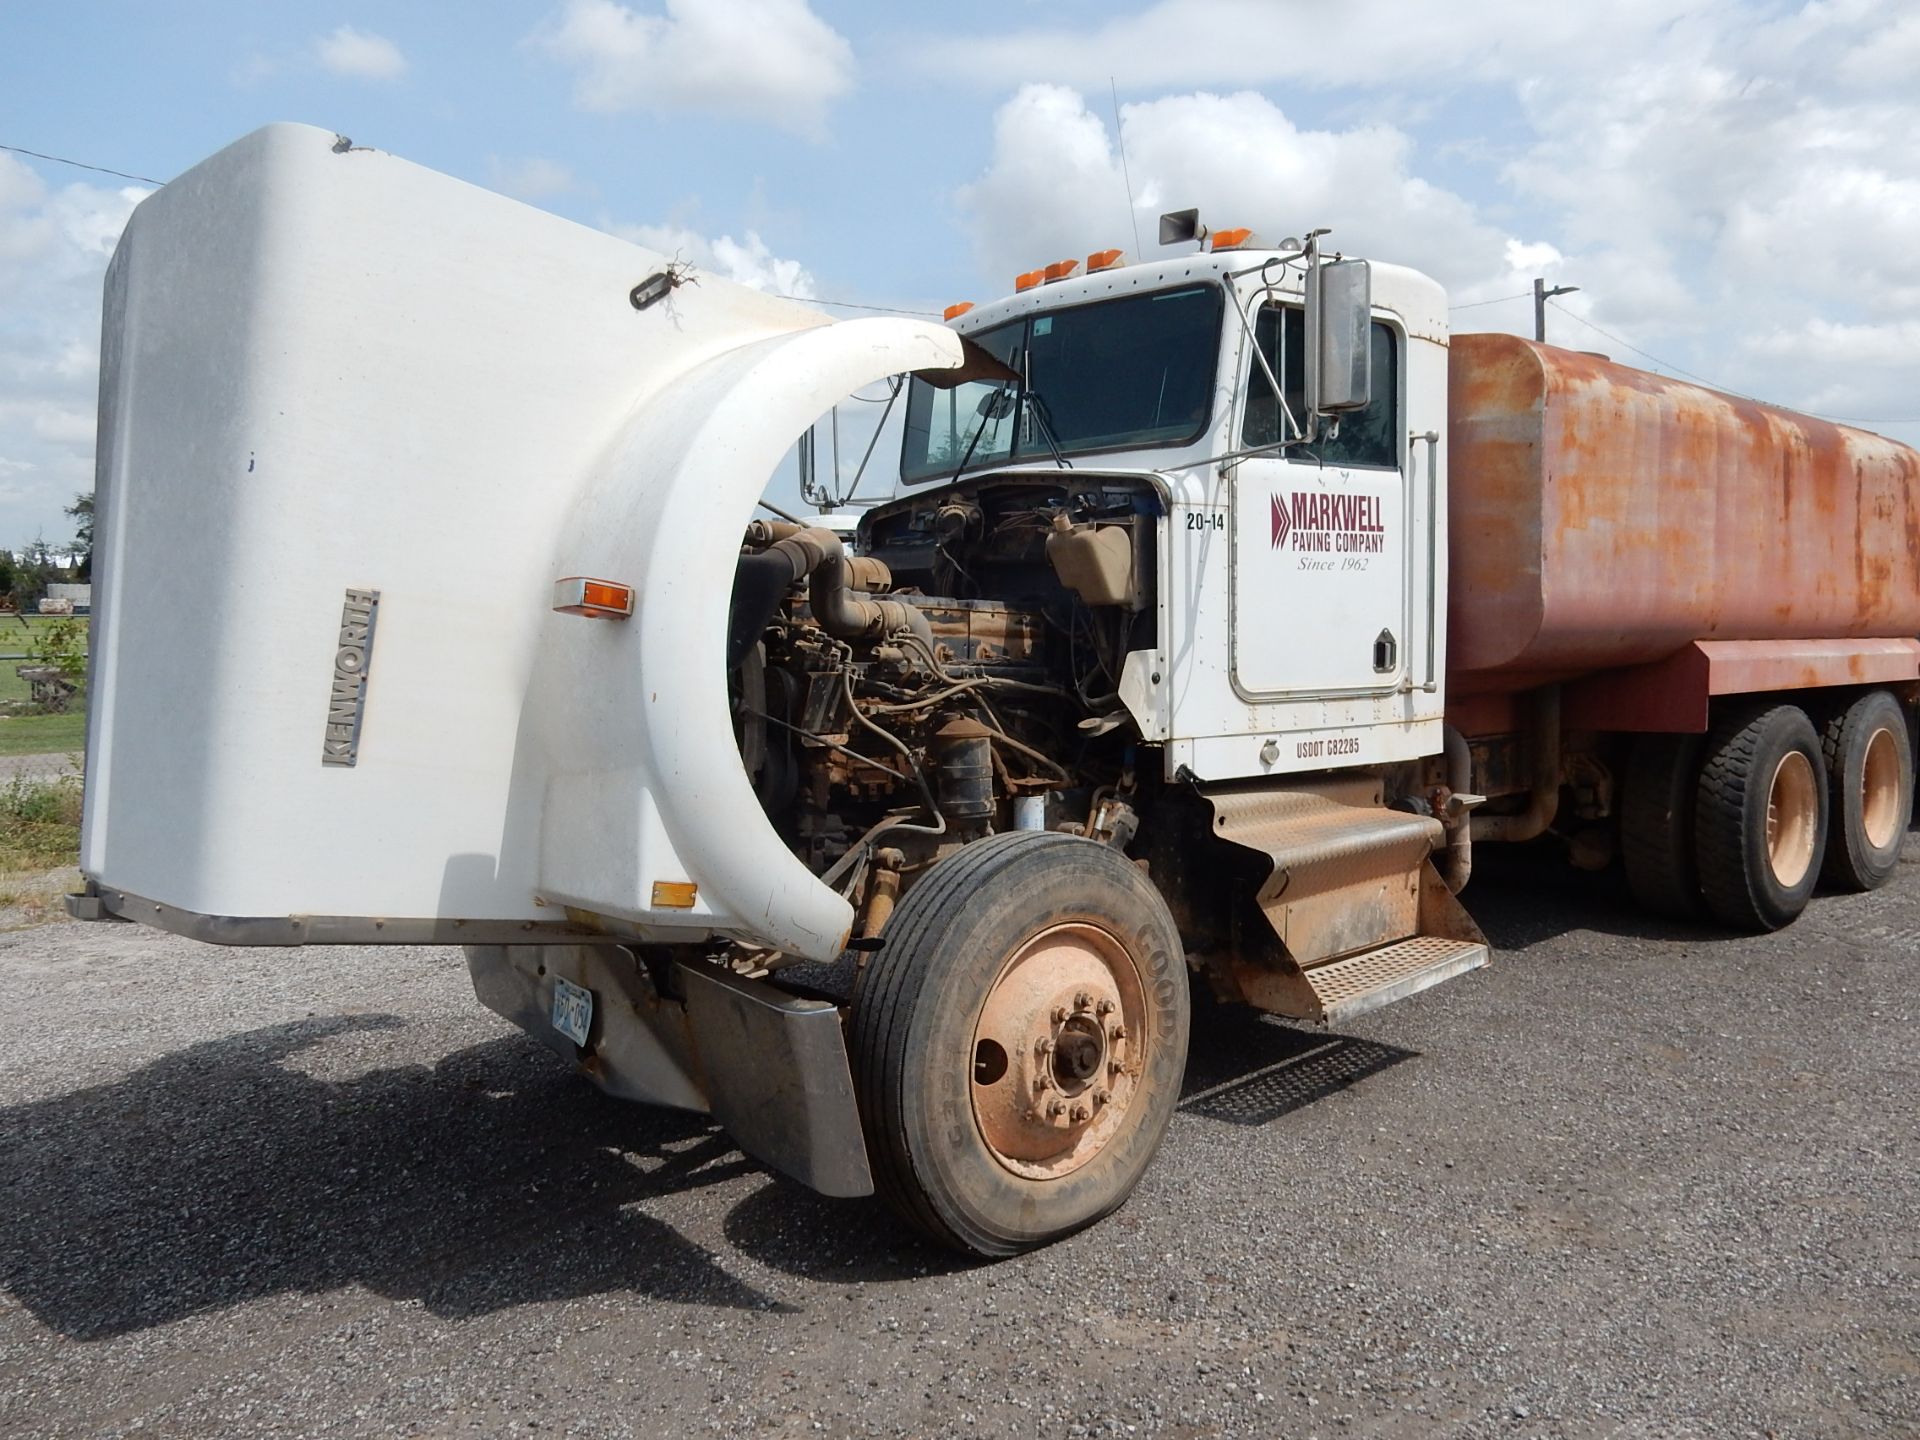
817	554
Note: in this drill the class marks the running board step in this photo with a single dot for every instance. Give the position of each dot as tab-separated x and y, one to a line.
1363	982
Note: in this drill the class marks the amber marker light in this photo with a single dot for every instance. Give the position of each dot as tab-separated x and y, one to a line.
1232	239
1061	269
1028	280
603	599
954	312
1104	260
674	894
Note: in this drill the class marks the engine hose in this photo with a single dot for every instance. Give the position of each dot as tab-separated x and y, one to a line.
818	555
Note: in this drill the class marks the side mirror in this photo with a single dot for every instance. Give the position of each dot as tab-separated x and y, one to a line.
996	404
1339	341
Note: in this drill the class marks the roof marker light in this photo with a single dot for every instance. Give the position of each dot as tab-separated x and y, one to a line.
954	312
1233	239
1061	270
1028	280
1105	260
602	599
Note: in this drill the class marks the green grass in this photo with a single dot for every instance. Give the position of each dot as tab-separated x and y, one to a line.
39	823
43	734
17	635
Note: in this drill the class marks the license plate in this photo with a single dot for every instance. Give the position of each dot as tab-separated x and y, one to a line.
572	1010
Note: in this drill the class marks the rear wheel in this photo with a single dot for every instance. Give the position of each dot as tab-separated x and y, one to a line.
1656	824
1760	817
1869	763
1019	1041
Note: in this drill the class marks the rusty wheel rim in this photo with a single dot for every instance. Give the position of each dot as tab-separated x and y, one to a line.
1793	810
1880	789
1058	1050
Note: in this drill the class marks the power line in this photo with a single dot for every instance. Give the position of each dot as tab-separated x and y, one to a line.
1497	300
1714	385
82	165
1646	355
149	180
854	305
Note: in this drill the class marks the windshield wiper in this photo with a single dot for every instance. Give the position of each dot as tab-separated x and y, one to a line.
988	404
1047	432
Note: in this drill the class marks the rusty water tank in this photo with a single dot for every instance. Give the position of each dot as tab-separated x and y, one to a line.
1601	516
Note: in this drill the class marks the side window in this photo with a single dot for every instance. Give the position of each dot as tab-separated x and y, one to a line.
1368	437
971	421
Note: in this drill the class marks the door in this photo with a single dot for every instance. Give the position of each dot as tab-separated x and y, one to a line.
1320	538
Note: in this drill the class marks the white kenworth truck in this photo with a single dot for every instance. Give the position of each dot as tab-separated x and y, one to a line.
435	603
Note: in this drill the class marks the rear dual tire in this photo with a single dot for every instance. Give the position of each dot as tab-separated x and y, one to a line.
1760	817
1869	763
1656	825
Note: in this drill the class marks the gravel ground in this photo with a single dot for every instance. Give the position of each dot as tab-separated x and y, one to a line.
1630	1181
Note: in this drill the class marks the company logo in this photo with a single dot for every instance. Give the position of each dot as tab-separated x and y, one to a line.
1319	521
352	660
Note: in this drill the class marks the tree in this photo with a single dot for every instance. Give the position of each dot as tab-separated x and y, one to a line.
81	513
34	568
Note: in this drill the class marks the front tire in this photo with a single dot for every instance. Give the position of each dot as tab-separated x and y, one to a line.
1760	817
1019	1041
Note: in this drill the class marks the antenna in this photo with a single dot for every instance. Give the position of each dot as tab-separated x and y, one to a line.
1120	139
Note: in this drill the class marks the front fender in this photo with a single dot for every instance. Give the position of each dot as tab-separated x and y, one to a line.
628	733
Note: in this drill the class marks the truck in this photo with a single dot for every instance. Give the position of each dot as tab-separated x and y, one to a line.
1228	604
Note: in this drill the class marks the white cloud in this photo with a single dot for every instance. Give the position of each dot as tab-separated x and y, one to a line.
769	60
1371	43
748	262
1719	179
360	55
54	246
532	178
1054	188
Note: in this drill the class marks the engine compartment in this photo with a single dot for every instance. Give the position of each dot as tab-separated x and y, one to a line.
955	675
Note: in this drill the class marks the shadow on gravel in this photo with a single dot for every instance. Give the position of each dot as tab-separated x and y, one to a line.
1250	1069
1522	895
219	1175
798	1232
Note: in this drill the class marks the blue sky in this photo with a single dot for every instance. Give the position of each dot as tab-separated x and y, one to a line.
1731	183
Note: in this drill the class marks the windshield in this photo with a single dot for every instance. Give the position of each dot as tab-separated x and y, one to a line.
1132	373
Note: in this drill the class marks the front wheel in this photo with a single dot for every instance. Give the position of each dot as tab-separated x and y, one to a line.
1019	1041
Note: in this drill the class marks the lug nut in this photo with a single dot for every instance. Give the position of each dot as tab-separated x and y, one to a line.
1118	1032
1059	1014
1080	1113
1103	1009
1101	1097
1039	1083
1082	1000
1055	1110
1043	1047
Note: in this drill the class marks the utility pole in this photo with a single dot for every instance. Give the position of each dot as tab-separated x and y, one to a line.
1540	297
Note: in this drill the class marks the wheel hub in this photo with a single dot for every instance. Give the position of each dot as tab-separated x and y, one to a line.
1793	810
1056	1052
1880	798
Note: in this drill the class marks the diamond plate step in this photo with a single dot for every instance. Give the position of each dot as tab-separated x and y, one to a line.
1374	978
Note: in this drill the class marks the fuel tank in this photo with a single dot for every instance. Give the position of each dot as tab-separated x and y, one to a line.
1602	516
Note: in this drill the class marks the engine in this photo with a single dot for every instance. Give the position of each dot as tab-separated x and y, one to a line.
957	676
